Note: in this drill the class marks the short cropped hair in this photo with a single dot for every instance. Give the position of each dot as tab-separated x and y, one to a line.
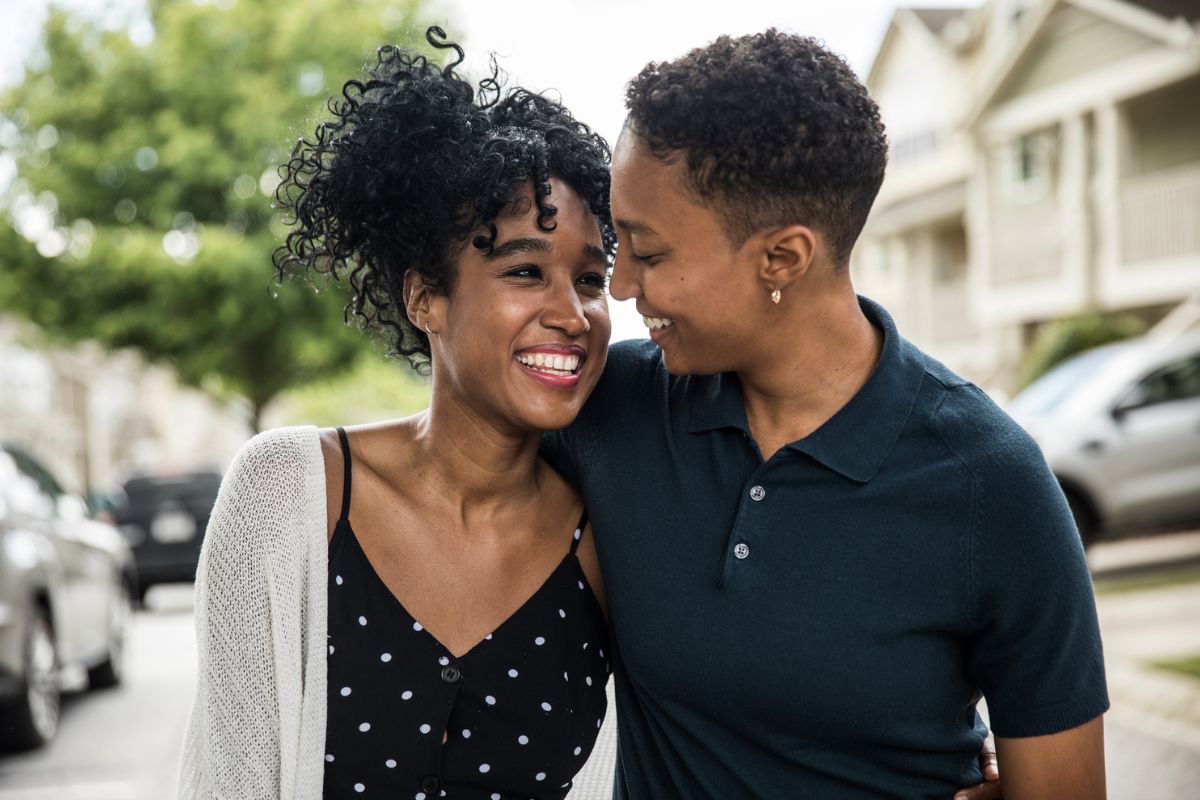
775	130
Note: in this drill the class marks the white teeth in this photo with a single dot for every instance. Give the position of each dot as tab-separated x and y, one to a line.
555	365
657	323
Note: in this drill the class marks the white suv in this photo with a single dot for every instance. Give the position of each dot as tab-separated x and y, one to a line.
1120	427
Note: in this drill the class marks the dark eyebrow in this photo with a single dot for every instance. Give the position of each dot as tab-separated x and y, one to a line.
636	227
595	255
514	246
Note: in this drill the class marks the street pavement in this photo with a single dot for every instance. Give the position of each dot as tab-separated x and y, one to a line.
123	744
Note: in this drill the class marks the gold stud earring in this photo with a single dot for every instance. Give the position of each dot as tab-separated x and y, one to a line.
776	295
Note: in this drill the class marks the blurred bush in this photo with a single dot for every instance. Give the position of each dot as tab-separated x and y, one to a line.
146	158
1057	341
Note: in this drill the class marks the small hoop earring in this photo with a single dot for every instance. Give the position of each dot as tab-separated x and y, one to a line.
427	332
776	295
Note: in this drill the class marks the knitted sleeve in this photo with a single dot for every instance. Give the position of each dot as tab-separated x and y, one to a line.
249	596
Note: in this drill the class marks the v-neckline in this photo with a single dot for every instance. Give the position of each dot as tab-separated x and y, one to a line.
381	584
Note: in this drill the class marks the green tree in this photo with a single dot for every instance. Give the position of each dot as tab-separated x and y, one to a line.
141	215
1061	339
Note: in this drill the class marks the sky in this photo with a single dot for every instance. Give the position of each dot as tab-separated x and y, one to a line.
584	49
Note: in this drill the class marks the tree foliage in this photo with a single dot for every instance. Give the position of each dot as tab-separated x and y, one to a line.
141	212
1059	340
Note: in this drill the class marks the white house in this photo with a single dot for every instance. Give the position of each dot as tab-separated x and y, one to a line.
1045	161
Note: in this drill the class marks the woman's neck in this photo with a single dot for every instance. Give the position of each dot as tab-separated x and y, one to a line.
832	350
471	464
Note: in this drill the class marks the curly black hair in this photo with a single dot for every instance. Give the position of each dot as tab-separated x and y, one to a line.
775	130
414	161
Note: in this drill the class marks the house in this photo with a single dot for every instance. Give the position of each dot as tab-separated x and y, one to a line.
1045	162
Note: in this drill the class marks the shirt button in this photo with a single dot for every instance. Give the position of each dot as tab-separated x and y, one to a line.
757	493
430	784
741	551
451	675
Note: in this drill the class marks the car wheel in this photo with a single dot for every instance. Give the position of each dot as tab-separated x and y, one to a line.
1085	519
110	671
33	718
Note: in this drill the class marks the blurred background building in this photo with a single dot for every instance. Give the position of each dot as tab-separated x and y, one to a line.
1045	163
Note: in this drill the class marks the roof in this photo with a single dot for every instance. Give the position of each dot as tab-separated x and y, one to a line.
936	18
1188	9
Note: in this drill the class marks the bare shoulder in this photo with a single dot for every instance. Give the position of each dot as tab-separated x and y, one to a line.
586	551
331	451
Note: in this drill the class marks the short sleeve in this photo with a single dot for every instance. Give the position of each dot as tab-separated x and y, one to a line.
1035	649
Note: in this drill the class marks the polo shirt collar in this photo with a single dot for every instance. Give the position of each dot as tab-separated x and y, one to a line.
857	439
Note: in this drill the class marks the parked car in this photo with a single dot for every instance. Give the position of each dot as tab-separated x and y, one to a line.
65	586
163	517
1120	427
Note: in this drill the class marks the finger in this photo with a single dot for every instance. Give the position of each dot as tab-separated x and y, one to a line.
984	791
988	762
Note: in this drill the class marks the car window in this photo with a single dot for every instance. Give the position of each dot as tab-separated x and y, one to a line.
20	487
1049	391
1177	381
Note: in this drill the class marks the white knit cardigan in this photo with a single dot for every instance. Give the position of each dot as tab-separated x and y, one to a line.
257	725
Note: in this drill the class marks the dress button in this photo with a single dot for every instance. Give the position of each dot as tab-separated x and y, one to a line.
430	784
741	551
757	493
451	675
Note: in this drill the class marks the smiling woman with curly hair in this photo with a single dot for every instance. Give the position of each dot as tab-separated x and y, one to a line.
439	630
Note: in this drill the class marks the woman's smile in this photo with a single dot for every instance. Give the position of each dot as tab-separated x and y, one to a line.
554	365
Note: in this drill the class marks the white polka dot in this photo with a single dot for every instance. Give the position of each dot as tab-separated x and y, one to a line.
565	678
581	584
417	626
597	723
362	620
488	637
602	652
328	757
330	649
366	726
358	787
390	763
420	796
491	701
545	706
588	679
443	661
495	796
425	728
345	691
466	733
578	750
541	640
522	739
541	776
385	657
407	695
562	613
585	644
578	533
512	673
339	580
485	767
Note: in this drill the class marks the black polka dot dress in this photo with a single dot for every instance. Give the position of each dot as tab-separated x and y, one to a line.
514	717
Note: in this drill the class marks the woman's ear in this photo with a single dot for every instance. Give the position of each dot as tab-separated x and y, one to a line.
787	254
419	303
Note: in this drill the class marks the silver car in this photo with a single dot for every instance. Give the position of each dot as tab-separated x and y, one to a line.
1120	427
65	588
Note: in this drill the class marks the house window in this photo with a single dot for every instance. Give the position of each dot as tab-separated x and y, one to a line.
1031	164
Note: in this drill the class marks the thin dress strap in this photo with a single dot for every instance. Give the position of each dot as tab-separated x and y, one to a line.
345	517
579	531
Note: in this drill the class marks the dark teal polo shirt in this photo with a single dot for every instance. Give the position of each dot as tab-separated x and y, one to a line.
822	625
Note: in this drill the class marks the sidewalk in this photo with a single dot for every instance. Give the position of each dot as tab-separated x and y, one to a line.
1148	600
